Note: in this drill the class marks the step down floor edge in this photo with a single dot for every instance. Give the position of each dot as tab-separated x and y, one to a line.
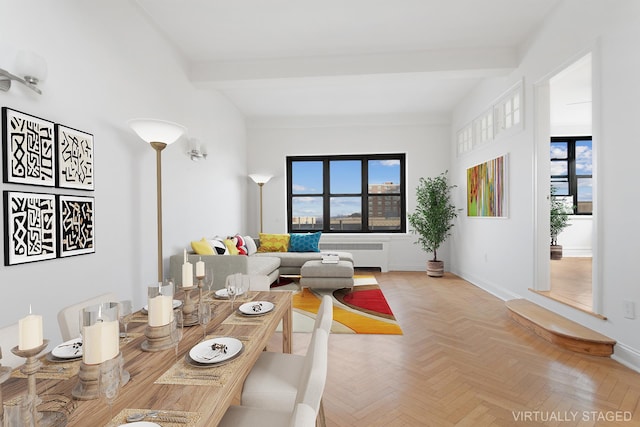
559	330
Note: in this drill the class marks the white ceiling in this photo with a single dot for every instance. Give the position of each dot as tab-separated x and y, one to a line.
346	57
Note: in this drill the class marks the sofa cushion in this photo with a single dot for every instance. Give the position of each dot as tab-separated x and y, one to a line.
241	245
304	242
202	247
297	259
252	248
274	242
218	246
231	246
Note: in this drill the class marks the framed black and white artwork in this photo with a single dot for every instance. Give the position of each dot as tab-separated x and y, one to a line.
29	149
76	225
29	227
74	158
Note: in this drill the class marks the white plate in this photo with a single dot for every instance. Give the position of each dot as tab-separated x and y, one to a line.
176	303
140	424
71	349
222	293
254	308
202	353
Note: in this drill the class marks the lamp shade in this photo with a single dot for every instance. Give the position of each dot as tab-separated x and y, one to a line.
260	178
153	130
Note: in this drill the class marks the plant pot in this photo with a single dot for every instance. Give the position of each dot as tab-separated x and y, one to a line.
435	268
556	252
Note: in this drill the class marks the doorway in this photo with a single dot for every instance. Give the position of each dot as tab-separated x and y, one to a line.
565	116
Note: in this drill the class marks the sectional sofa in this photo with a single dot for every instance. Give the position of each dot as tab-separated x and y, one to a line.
271	255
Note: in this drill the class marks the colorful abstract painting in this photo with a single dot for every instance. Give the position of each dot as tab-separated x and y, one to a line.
28	146
487	189
75	158
76	234
29	227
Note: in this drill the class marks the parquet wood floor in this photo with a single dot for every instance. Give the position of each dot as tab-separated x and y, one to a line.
463	362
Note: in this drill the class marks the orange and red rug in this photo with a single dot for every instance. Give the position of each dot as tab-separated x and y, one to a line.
362	311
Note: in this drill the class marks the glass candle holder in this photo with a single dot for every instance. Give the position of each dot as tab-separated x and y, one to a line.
100	332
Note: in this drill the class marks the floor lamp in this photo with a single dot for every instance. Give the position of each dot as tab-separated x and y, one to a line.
159	134
261	180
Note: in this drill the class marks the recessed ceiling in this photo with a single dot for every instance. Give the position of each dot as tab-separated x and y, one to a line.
339	57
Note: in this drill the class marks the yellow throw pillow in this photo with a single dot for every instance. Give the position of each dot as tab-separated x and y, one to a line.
202	247
231	246
274	243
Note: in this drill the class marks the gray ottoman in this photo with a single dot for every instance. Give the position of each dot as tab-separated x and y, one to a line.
317	275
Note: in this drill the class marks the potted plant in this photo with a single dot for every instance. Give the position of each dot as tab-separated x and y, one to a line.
558	221
433	218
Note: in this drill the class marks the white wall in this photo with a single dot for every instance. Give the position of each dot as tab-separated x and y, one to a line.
424	140
107	65
498	255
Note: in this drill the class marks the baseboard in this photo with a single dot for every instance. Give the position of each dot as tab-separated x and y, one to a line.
626	356
493	289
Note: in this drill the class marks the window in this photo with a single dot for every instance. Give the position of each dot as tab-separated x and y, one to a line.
571	169
346	194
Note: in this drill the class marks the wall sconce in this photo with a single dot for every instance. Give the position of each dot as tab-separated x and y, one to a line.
195	151
32	67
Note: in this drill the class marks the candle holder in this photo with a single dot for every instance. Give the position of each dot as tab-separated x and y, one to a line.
88	386
160	316
189	308
30	368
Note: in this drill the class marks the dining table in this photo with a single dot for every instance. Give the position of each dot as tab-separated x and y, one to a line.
184	394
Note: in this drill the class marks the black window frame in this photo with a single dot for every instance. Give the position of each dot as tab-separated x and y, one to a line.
364	193
572	177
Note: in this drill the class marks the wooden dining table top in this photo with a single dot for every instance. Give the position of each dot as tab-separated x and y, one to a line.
156	381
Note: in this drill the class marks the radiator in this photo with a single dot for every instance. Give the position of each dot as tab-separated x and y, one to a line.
365	254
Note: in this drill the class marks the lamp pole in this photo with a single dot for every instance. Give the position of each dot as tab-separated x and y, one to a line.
159	146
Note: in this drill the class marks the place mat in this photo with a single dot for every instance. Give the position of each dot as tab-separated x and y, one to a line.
182	373
139	317
238	318
121	418
53	370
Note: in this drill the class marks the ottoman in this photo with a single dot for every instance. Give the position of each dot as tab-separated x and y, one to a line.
317	275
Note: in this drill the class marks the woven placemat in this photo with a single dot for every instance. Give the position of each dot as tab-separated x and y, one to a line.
183	373
192	418
238	318
139	317
53	370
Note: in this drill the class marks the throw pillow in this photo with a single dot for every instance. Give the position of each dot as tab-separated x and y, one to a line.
231	246
241	245
274	242
304	242
202	247
218	246
252	248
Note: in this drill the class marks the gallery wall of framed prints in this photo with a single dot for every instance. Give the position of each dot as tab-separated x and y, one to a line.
43	224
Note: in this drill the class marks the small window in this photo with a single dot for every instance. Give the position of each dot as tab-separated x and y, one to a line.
571	171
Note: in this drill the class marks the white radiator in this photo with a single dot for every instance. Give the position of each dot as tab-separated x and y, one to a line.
365	254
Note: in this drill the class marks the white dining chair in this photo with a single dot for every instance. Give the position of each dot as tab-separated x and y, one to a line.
309	392
239	416
69	317
274	380
8	340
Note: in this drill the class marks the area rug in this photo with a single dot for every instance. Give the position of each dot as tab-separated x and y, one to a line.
362	311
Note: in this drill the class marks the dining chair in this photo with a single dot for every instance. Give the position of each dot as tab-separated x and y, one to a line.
69	317
274	380
303	416
8	340
310	388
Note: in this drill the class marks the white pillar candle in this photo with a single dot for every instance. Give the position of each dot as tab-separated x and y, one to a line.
187	275
185	256
200	268
92	344
110	340
160	310
30	332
